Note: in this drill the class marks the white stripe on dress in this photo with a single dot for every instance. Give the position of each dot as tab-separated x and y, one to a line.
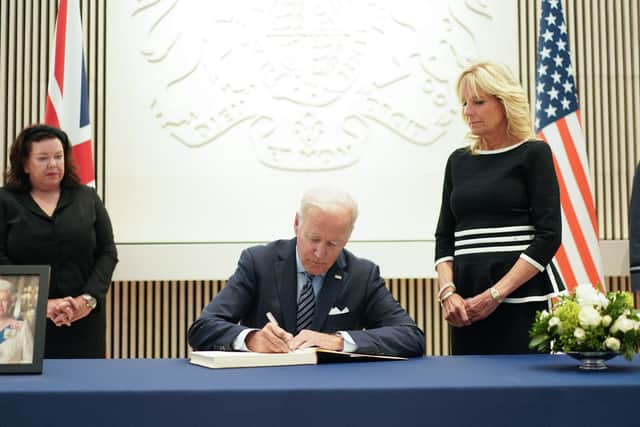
532	261
505	239
490	249
490	230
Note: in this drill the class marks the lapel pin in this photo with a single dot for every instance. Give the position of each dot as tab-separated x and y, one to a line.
337	276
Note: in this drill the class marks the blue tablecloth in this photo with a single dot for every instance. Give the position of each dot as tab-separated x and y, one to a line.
540	390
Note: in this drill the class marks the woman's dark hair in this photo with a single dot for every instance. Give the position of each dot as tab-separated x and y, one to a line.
16	179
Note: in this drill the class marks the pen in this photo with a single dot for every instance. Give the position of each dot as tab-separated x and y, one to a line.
272	319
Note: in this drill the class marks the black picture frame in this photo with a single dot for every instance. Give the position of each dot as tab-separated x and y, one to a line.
30	293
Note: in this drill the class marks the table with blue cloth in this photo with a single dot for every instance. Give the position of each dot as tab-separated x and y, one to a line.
527	390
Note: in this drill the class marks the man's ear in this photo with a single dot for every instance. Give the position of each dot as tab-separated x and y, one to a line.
296	224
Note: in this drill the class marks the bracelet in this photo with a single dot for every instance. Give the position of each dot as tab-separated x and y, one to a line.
445	296
446	286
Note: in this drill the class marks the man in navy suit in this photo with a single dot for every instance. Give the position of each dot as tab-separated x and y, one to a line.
350	309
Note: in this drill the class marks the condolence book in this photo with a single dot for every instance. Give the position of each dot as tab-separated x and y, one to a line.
307	356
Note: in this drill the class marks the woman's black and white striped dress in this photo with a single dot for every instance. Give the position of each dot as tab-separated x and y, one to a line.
498	206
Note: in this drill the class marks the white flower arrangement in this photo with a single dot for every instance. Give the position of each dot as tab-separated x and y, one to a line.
588	321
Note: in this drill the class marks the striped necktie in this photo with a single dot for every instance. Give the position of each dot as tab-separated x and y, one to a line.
306	305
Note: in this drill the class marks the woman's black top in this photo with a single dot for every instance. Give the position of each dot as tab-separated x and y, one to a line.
77	243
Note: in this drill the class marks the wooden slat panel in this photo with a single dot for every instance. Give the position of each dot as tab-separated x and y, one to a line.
632	90
150	318
429	323
109	308
140	320
617	65
157	310
411	290
173	328
117	316
11	74
150	314
586	87
182	319
4	80
99	98
133	329
19	66
124	319
164	311
628	52
635	67
612	49
421	304
42	59
601	108
29	49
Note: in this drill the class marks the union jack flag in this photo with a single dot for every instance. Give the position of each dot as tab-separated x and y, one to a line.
558	122
67	104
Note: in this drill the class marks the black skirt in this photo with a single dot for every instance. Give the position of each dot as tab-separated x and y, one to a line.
505	331
84	339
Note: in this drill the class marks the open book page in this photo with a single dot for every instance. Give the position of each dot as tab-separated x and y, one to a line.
307	356
245	359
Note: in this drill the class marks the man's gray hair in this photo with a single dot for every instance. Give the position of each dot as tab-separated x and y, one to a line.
328	199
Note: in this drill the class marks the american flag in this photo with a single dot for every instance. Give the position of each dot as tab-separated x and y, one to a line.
558	122
67	104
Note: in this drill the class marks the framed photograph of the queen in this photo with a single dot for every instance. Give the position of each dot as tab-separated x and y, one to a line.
24	290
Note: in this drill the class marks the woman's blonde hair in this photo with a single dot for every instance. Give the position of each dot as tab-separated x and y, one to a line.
497	80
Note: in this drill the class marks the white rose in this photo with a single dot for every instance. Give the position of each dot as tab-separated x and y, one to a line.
579	334
544	314
589	317
588	295
554	321
622	324
606	320
604	302
612	343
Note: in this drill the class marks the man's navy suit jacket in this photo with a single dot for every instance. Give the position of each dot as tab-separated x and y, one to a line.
266	281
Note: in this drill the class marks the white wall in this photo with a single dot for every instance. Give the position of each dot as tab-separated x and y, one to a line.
220	114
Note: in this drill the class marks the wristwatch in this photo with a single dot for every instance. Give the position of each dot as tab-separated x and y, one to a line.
495	294
91	301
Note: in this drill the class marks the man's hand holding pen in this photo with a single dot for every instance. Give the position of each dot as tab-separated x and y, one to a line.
270	339
273	339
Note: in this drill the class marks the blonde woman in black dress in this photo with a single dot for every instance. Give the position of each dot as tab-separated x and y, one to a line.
500	219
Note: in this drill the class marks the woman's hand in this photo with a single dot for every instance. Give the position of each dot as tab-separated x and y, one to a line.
61	311
480	306
82	309
455	312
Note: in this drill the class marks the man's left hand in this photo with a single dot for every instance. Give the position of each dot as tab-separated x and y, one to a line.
308	338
